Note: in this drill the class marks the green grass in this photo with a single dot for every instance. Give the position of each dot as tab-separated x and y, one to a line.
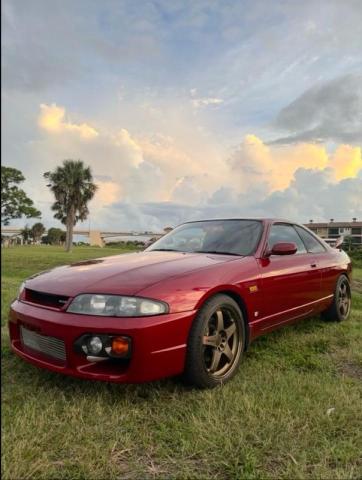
294	410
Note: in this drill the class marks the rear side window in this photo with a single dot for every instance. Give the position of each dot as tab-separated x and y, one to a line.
312	244
285	233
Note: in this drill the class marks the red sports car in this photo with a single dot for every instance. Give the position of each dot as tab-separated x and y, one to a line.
191	303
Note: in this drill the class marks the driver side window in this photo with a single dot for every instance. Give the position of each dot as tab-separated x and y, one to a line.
285	233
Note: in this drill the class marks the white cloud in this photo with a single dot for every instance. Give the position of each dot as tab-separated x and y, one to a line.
254	163
150	181
312	193
52	119
198	102
206	101
108	192
187	190
116	159
126	168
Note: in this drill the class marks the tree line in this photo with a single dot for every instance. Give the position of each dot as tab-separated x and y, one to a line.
36	234
72	186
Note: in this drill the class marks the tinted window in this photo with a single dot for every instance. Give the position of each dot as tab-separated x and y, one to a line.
310	242
235	237
285	233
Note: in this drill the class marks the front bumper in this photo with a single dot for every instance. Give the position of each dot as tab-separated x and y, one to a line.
158	343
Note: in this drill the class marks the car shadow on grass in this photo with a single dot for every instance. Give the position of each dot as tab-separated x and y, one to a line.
30	377
307	326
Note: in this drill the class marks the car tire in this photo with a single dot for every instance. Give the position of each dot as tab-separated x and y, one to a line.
340	308
216	343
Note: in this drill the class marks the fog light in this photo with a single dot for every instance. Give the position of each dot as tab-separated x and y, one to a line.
120	346
103	346
95	345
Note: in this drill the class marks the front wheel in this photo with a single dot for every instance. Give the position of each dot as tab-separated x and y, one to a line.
216	342
341	305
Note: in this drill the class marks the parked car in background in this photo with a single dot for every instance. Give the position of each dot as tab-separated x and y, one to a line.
190	304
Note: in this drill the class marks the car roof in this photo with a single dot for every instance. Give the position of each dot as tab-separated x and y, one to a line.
258	219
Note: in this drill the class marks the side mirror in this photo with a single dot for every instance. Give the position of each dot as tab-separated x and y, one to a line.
284	248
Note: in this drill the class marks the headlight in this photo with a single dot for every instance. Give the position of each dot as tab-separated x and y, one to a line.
116	306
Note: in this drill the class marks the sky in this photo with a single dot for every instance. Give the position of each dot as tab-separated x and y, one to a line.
187	109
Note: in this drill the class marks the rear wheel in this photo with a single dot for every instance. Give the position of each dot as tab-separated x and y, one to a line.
215	343
341	305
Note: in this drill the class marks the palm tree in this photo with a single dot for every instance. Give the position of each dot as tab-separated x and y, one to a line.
73	187
26	234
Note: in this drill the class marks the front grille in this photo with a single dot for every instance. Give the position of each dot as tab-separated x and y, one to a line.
45	299
53	347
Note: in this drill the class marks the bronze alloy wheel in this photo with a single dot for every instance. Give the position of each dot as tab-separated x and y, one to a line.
340	307
344	298
216	342
221	341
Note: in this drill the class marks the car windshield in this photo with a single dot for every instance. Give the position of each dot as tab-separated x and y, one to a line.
229	237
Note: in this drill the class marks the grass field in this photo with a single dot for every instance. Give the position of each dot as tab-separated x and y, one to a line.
294	410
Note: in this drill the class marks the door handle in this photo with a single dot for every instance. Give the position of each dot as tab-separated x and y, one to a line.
313	265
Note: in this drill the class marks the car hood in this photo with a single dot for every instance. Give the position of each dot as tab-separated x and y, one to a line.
124	274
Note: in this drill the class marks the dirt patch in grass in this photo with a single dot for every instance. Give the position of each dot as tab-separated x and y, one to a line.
346	366
350	369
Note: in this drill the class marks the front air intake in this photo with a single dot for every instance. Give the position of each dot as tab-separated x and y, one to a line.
45	299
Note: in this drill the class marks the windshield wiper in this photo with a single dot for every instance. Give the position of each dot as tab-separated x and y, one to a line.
196	251
164	250
217	251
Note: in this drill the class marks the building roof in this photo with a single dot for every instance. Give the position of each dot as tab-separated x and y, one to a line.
334	224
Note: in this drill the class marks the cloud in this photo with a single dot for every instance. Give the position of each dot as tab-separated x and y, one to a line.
329	111
268	167
38	52
115	157
261	167
163	150
52	119
347	161
127	168
157	182
108	192
206	101
144	185
198	102
187	190
312	194
155	97
295	181
58	45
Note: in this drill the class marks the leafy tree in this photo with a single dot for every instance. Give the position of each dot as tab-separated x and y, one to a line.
14	201
26	234
37	231
348	241
55	236
73	187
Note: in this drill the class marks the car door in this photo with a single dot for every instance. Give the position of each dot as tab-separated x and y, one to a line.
325	262
289	283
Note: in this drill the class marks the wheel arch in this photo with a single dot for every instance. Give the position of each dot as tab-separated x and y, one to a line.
229	291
